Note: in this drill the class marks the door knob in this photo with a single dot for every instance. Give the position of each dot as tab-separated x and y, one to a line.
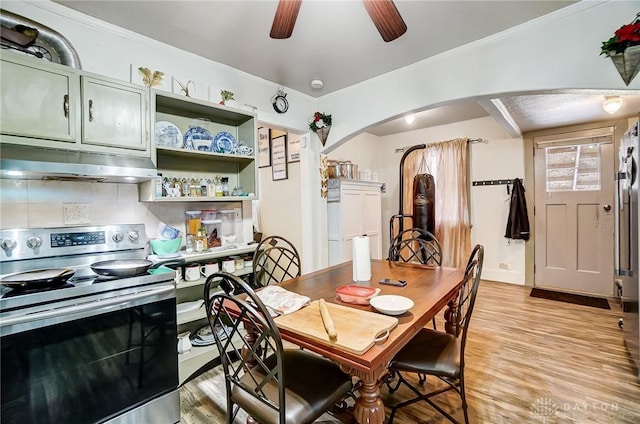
606	208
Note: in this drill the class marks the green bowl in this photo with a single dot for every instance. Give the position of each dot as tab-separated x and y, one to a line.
165	247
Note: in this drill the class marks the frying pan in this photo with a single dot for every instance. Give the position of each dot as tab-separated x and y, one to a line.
38	278
128	267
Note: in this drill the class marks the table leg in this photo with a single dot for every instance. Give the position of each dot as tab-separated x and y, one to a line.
369	408
452	316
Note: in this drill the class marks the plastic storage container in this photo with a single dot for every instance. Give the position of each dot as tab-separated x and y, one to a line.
209	215
193	222
212	228
228	226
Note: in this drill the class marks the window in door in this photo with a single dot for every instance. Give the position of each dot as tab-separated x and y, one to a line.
573	168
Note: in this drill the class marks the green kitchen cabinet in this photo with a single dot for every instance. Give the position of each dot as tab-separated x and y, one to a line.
50	105
40	103
113	115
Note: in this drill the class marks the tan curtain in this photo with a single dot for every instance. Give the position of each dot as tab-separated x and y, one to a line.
447	162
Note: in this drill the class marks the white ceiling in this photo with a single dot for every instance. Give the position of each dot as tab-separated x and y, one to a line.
335	41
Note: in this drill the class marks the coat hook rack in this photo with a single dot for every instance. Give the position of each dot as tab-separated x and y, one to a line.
492	182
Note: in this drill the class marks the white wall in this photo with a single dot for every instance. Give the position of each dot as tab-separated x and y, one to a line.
362	150
497	159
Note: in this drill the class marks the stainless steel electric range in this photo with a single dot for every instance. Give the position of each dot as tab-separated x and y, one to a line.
88	348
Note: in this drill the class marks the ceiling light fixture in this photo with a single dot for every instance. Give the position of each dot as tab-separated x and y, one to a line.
612	104
316	83
409	119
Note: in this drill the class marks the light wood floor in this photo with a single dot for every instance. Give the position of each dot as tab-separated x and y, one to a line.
529	360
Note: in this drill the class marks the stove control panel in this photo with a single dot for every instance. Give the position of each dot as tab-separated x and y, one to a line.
77	239
53	242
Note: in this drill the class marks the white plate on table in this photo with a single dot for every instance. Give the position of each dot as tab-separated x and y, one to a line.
391	304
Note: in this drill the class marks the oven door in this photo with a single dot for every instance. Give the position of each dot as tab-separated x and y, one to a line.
90	361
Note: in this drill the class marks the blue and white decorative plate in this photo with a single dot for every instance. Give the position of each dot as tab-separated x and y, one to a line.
224	142
168	134
197	138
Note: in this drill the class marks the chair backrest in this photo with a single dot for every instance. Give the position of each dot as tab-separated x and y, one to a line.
468	292
276	260
416	245
251	373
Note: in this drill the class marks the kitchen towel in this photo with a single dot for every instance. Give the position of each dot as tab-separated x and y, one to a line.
361	259
280	301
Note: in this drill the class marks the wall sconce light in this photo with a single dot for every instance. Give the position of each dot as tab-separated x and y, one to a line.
409	119
612	104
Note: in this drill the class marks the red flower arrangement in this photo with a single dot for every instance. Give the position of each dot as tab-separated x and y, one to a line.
319	120
627	36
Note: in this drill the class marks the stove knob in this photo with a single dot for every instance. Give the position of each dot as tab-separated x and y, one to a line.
117	237
8	244
134	236
34	242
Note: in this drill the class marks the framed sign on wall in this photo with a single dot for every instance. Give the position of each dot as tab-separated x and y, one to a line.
293	147
264	147
279	158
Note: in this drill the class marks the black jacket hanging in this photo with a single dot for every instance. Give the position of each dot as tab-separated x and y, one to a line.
518	220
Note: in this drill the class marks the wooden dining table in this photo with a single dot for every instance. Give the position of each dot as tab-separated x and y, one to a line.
430	288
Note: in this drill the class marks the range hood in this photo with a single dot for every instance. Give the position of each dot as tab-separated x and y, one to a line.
26	162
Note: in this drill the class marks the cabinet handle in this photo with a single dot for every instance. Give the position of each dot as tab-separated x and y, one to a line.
90	110
65	105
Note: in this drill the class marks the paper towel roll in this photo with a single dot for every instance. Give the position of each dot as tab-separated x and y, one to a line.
361	259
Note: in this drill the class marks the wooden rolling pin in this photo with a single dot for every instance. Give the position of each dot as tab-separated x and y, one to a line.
327	321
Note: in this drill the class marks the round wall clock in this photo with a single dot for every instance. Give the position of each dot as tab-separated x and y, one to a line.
280	102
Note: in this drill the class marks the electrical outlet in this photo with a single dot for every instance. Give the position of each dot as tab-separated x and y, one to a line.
503	265
238	214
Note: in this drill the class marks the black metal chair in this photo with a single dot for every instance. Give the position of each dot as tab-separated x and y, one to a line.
415	245
276	260
437	353
285	386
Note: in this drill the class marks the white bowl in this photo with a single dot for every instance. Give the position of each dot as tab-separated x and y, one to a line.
390	304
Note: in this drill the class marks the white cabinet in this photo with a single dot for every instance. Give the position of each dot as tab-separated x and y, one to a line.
50	105
354	208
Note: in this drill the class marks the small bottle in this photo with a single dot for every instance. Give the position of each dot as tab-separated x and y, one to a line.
225	186
159	185
211	187
185	187
189	244
203	188
200	240
218	186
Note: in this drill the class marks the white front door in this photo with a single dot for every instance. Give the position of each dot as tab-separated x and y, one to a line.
574	216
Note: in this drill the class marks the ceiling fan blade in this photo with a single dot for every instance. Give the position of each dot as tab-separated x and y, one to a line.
285	19
386	18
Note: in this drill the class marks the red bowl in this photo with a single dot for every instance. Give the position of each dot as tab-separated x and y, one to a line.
356	294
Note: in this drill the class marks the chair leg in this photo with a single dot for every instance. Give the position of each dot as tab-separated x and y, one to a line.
389	379
421	379
463	396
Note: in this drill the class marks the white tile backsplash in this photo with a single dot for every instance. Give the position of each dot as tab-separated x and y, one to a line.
35	203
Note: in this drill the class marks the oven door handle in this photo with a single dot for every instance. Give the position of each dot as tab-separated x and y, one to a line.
96	306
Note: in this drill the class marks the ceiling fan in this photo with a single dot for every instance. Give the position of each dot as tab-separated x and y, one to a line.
383	13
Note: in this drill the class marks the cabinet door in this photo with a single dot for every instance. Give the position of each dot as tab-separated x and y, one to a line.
39	103
352	213
113	115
